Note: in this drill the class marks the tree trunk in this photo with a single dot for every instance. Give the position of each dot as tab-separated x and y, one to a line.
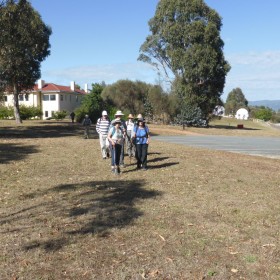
16	105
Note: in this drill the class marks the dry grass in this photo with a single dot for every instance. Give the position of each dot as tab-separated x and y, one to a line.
225	126
195	214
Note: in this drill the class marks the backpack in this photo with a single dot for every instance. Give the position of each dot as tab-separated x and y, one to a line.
87	121
114	130
141	136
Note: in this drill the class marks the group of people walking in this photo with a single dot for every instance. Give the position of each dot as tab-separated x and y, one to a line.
116	134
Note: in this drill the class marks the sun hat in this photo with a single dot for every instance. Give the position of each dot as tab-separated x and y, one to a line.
130	116
117	121
139	116
119	113
104	113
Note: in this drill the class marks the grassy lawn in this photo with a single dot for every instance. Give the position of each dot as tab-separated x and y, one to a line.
195	214
225	126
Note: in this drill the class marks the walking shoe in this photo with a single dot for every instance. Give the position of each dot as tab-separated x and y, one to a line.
117	171
113	170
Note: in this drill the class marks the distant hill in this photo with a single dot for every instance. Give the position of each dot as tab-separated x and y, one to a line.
273	104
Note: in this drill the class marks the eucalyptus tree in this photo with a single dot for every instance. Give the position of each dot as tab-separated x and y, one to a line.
235	100
185	42
126	95
24	44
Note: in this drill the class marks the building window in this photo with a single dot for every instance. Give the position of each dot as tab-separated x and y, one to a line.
6	98
20	97
46	114
52	97
46	97
77	98
26	97
61	97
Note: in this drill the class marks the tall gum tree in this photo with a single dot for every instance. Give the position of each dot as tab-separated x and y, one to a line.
185	40
235	100
24	44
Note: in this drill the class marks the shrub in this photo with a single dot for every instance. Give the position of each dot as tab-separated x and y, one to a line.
264	114
191	116
60	115
6	112
28	112
276	118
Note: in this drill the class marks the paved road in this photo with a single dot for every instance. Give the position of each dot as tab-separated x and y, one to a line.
259	146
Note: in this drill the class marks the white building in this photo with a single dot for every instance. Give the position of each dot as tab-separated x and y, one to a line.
219	111
51	97
242	114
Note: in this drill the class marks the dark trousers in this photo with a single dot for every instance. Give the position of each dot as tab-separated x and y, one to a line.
115	154
141	155
122	153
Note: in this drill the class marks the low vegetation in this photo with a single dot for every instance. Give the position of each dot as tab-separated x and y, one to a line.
195	214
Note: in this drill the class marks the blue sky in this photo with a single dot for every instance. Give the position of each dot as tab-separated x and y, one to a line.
99	40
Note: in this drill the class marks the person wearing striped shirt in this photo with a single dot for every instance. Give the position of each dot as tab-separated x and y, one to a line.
102	128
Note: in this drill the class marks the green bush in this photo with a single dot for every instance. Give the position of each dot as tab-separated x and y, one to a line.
60	115
27	112
191	116
275	118
264	114
6	112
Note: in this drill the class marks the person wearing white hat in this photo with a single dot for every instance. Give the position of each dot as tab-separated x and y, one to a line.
119	114
116	138
130	147
102	128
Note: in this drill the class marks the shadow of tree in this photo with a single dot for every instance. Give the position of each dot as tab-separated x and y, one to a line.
230	127
11	152
93	207
50	130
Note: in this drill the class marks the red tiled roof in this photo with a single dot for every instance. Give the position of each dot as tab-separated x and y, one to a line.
57	88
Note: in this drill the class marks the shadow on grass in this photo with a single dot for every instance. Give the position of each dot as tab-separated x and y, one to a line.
231	127
158	166
158	159
46	130
13	152
164	165
91	208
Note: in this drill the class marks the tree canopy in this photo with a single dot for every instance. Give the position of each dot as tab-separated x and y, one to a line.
126	95
92	104
24	44
235	100
185	40
138	97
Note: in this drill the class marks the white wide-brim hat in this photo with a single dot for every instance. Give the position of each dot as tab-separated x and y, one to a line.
119	113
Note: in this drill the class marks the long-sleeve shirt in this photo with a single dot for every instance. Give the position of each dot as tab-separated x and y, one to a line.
102	126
